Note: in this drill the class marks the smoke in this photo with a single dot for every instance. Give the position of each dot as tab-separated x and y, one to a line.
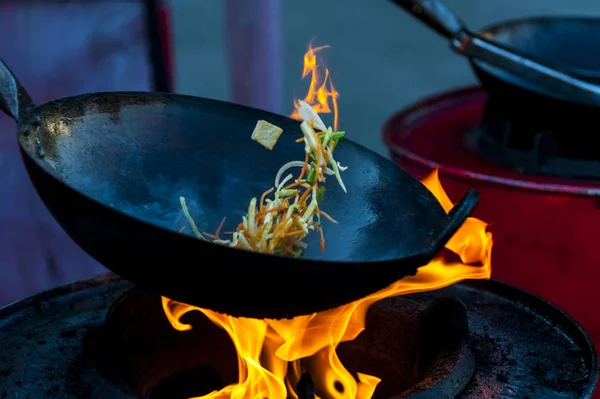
155	202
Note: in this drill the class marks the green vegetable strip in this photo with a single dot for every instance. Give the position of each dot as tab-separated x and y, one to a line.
310	179
187	215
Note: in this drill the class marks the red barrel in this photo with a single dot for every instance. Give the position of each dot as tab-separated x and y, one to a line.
546	230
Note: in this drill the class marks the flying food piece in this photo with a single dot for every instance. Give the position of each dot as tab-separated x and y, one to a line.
266	134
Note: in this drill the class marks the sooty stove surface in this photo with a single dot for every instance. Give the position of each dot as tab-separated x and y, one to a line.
507	344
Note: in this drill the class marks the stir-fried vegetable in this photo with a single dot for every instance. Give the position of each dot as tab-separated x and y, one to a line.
283	216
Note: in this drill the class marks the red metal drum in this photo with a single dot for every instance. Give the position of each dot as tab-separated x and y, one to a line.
546	230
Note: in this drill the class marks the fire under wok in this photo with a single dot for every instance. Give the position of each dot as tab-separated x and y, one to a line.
111	167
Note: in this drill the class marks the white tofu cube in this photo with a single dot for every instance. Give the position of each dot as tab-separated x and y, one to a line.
266	134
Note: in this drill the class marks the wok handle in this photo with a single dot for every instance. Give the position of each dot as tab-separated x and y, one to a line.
14	99
457	217
434	14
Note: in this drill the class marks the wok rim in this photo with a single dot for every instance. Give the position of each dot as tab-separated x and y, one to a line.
536	19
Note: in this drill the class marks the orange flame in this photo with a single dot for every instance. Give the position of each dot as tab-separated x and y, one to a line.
318	94
273	354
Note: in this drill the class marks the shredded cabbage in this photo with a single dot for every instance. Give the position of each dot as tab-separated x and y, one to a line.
278	225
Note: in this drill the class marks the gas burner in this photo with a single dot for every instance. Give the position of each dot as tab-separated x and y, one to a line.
102	339
544	227
530	139
528	127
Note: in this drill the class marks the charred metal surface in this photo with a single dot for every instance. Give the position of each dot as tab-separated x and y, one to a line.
67	344
446	361
523	346
138	348
40	338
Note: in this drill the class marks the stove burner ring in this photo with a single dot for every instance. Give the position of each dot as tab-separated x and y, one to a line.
138	348
522	346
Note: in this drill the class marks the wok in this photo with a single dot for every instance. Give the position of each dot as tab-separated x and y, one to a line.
568	44
110	167
522	54
542	77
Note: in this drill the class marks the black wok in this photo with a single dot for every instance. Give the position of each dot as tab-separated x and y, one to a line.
538	71
110	167
570	44
519	67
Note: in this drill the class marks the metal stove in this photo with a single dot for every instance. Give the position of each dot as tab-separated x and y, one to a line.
105	339
540	195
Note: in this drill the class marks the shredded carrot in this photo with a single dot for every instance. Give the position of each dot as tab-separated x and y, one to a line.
219	228
326	216
294	233
273	225
293	185
262	198
320	149
305	194
322	238
304	168
289	251
301	139
280	209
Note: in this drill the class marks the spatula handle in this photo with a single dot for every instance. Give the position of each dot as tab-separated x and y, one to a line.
434	14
